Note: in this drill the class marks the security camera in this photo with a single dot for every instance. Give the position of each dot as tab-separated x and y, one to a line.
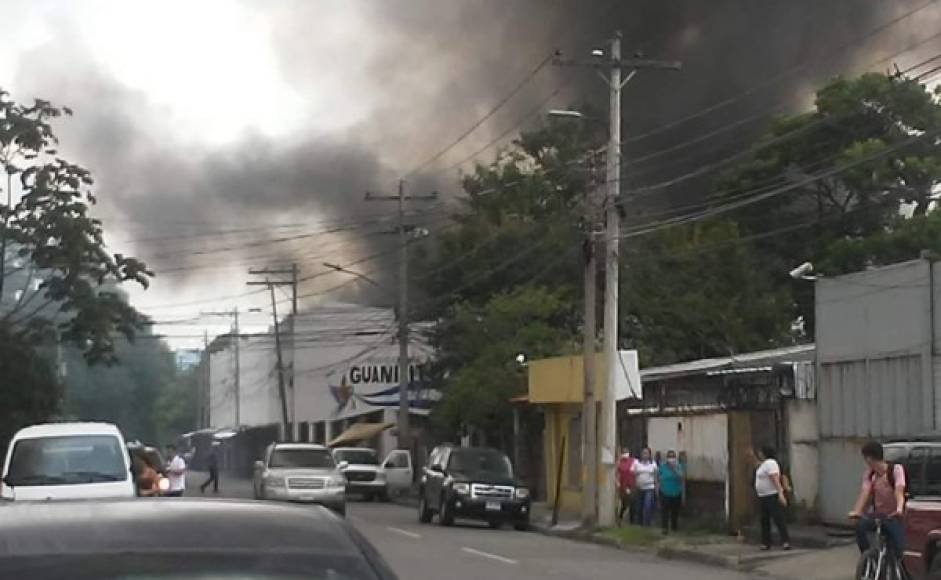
802	272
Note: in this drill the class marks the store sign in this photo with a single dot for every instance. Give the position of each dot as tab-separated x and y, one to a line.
375	384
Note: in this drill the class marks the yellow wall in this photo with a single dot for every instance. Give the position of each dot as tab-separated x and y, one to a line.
557	418
560	379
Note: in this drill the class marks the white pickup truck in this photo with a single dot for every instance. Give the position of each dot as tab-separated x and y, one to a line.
370	479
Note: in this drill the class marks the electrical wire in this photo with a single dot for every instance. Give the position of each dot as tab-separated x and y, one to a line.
503	101
781	76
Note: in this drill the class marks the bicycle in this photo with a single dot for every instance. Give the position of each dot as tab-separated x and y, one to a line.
879	562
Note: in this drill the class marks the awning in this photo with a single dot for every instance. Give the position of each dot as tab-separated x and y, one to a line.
358	432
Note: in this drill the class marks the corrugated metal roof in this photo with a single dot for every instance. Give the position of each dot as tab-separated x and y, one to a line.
802	352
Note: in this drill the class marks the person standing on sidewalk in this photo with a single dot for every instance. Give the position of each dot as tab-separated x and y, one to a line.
176	473
671	491
213	464
771	498
625	483
645	485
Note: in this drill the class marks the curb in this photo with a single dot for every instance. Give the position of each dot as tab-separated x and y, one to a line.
736	563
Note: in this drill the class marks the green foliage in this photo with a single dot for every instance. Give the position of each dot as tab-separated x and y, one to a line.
903	239
176	407
854	122
699	291
480	345
29	392
125	394
51	229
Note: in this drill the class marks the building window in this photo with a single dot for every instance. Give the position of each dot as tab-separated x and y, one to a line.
574	452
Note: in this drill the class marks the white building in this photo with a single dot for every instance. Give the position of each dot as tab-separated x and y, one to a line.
340	367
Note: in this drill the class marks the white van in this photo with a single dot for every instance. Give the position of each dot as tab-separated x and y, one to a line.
67	461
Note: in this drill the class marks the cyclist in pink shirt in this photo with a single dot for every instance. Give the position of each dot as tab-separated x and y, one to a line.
882	496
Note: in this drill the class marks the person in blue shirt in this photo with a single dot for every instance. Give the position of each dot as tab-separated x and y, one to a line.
671	491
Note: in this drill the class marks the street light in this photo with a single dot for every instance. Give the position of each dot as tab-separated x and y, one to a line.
339	268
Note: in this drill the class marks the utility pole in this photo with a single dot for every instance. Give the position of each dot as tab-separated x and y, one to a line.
404	439
237	337
280	366
589	406
614	64
289	420
205	417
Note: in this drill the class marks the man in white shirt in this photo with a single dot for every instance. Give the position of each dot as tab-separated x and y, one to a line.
176	473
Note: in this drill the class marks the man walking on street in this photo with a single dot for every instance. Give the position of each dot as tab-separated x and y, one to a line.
213	470
176	473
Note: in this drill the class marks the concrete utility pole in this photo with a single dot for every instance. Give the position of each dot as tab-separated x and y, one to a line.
236	335
614	64
205	417
404	439
589	331
288	434
290	422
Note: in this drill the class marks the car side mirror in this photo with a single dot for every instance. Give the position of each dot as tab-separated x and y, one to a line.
259	465
343	465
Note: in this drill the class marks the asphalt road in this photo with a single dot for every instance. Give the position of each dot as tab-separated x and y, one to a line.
470	551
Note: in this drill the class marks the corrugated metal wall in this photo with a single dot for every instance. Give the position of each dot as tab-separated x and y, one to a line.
876	373
873	398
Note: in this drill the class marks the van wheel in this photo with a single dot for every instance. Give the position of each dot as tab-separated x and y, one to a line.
424	513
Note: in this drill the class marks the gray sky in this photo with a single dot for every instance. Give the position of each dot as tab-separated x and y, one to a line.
273	118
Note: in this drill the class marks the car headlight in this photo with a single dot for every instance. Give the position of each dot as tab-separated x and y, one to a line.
271	481
380	476
336	481
462	488
522	493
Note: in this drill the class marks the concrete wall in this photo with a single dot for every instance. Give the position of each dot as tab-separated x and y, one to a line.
704	438
222	388
875	331
803	451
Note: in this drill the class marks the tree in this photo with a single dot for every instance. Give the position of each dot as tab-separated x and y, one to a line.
29	391
52	232
698	291
126	394
479	347
876	140
904	239
865	130
50	245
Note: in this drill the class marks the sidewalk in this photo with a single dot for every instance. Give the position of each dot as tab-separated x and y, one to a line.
819	557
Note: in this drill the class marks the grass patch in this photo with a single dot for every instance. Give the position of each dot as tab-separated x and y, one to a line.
633	535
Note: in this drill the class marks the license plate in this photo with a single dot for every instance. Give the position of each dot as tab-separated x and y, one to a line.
492	506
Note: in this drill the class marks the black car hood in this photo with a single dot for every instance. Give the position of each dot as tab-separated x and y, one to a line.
488	477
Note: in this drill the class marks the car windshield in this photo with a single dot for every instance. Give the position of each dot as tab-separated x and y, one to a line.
67	460
357	456
477	461
301	458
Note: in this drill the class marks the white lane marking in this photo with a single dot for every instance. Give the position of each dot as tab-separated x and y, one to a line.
412	535
489	555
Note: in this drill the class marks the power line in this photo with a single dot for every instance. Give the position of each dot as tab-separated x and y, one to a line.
516	89
781	76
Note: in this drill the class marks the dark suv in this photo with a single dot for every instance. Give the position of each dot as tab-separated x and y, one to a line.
475	483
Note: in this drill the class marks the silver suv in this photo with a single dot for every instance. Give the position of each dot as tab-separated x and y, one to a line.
300	472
